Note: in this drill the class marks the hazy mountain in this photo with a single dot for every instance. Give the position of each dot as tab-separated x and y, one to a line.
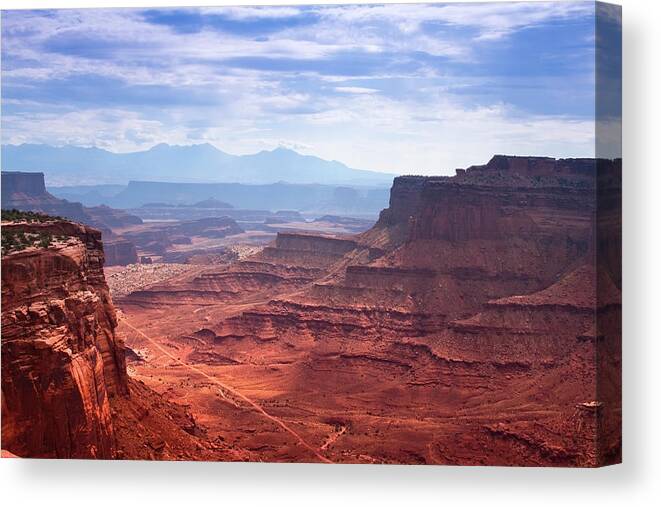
69	165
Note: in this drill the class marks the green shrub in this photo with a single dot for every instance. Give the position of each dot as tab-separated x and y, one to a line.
15	241
14	215
45	240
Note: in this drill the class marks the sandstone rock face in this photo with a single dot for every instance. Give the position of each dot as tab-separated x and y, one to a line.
61	360
120	252
514	225
65	388
314	243
473	324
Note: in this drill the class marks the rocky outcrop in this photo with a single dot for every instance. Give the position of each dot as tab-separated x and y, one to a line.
120	252
225	283
19	185
530	201
307	250
314	243
61	360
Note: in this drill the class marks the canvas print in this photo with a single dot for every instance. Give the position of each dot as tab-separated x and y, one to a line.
368	234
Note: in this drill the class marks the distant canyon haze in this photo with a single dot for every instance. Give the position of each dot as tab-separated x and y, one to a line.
197	163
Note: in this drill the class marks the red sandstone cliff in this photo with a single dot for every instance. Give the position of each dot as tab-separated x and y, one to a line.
61	360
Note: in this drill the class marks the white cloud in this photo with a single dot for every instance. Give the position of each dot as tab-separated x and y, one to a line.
254	12
355	89
492	19
117	130
374	132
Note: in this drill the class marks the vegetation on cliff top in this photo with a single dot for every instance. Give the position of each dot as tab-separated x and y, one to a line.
15	240
14	215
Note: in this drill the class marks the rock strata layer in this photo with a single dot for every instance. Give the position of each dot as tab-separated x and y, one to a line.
61	360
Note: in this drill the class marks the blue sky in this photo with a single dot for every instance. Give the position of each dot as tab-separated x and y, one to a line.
408	88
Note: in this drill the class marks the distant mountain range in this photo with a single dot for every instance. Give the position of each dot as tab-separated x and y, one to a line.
73	165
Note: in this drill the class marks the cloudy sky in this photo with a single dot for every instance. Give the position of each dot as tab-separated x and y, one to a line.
401	88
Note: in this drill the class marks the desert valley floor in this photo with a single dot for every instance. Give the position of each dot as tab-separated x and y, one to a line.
322	390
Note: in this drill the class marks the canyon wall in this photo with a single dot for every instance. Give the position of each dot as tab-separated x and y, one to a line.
514	225
61	360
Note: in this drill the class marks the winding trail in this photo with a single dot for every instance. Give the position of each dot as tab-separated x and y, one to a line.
333	438
231	390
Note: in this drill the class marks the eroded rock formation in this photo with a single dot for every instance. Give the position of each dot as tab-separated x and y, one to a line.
120	252
27	192
61	360
472	324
